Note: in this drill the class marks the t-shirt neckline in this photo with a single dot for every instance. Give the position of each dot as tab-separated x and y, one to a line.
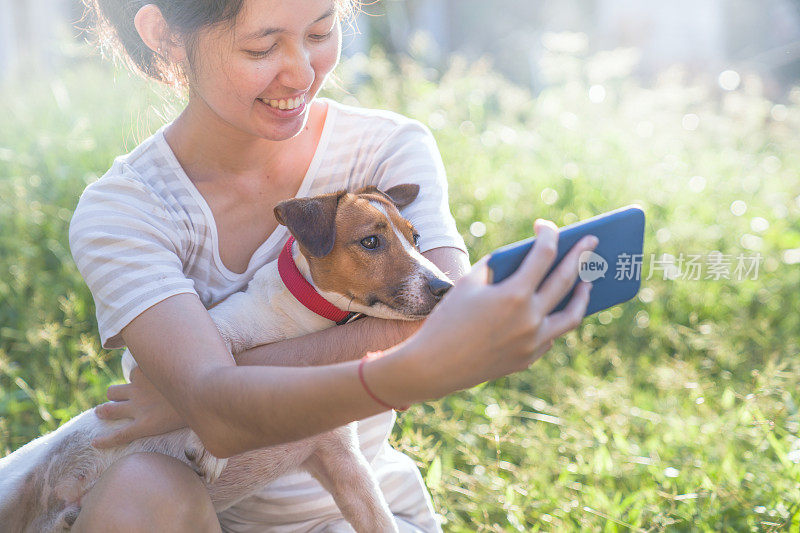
280	233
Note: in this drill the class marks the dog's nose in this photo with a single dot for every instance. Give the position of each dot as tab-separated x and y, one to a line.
438	287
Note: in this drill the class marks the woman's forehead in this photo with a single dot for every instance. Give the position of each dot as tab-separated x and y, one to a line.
262	18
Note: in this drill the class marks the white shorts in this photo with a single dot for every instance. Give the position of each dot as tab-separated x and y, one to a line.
402	486
341	526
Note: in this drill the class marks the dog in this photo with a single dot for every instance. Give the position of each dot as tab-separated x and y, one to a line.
360	255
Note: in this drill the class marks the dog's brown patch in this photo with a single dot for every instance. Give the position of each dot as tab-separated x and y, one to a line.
368	275
331	230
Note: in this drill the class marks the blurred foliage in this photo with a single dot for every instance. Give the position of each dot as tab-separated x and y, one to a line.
675	411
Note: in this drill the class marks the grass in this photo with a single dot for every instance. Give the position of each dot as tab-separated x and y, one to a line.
676	411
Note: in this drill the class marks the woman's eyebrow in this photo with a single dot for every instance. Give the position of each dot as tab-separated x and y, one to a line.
264	32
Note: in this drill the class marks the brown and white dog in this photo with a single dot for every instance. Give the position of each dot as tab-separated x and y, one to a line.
361	255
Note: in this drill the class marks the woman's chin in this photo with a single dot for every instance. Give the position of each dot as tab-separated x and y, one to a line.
282	129
282	132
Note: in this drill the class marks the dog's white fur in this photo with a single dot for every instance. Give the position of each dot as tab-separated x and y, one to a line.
41	483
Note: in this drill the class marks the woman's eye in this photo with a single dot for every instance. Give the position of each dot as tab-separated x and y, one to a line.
261	53
320	37
370	243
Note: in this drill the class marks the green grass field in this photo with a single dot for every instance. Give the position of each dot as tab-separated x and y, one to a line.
677	411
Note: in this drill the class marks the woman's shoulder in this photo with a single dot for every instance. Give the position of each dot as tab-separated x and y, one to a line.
373	123
121	186
142	175
133	192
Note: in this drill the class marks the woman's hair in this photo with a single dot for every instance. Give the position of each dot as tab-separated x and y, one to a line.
112	23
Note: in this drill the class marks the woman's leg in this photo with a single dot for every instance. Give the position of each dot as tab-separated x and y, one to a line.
147	492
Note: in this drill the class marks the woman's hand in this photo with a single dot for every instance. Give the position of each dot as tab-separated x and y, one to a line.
147	411
482	331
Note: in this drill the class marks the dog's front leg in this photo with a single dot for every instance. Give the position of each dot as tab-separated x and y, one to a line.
202	462
243	322
338	464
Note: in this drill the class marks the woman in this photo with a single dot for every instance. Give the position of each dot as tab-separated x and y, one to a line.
185	219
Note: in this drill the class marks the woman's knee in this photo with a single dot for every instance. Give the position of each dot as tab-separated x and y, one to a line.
147	492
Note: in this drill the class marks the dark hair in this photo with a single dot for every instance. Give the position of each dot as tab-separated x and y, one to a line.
112	23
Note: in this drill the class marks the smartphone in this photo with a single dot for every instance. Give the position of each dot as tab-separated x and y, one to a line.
614	266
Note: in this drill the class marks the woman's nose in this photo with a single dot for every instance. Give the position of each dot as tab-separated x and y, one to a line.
297	72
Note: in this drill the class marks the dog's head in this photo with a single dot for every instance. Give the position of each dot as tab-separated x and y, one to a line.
362	254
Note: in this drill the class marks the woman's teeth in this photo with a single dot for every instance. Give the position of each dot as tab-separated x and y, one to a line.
291	103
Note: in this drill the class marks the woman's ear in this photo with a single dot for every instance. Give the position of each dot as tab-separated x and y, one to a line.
155	33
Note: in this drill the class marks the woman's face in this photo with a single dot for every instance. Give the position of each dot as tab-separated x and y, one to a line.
277	54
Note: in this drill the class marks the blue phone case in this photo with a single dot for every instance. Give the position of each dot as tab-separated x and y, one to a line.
615	274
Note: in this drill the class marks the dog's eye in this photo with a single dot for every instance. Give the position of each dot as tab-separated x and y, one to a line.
370	243
416	239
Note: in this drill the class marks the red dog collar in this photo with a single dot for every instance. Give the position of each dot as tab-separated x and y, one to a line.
305	293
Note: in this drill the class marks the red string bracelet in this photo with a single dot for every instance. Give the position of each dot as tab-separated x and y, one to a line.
369	357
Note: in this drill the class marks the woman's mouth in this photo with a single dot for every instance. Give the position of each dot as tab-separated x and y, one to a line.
286	104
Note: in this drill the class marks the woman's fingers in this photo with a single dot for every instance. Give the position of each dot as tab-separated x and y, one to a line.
478	273
543	349
571	316
118	437
113	410
539	259
118	393
560	282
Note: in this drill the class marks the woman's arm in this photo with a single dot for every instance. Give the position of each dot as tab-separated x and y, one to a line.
479	332
234	409
351	341
150	413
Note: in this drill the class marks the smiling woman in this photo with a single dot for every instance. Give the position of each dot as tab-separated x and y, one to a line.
188	214
187	218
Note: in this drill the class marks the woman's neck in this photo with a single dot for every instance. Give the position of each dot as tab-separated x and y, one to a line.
208	148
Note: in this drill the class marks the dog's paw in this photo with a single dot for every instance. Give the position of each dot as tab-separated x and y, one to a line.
65	519
206	465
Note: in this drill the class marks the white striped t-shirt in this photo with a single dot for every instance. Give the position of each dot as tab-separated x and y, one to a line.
143	233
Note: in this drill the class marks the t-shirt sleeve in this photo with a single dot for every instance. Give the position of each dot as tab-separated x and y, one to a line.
410	155
128	250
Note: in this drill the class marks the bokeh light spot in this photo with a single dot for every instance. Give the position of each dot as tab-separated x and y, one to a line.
779	112
437	121
697	184
738	208
759	224
646	295
597	94
496	214
571	170
690	122
477	229
549	196
729	80
771	164
791	256
751	242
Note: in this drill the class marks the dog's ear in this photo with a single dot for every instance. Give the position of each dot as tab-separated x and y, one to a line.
311	221
400	195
